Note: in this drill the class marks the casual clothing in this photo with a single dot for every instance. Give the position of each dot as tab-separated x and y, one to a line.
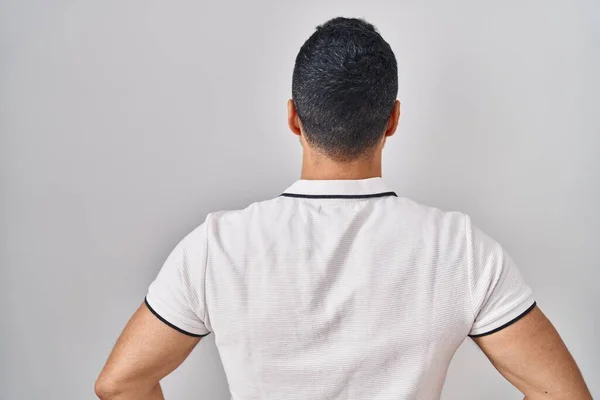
338	289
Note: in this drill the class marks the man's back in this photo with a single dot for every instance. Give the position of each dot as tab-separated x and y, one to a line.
342	290
339	289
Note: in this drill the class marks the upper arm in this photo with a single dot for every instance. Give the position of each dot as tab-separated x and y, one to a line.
511	329
531	355
146	351
170	322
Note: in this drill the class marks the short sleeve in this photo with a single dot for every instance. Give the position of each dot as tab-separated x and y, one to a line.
499	294
176	296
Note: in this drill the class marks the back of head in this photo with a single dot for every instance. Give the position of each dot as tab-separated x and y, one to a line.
344	86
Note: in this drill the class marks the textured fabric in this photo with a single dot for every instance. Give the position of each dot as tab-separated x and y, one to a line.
338	289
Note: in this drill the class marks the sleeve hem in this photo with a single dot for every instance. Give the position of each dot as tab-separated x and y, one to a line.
157	315
512	321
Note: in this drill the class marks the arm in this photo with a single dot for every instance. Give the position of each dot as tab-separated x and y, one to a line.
511	330
164	330
147	351
531	355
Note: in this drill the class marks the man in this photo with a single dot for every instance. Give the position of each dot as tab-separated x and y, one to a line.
338	288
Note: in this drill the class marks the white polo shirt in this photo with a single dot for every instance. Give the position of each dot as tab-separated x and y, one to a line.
338	289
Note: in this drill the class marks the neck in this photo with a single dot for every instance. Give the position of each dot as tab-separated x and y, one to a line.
319	167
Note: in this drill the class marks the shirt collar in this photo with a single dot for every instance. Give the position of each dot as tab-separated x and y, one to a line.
339	188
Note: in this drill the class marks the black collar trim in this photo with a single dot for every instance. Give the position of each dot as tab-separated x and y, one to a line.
338	196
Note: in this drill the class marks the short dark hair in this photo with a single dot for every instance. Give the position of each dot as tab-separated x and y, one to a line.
344	87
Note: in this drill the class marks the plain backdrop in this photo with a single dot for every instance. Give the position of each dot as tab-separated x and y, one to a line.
123	123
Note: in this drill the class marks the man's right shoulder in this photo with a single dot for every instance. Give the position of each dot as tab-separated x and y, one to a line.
428	212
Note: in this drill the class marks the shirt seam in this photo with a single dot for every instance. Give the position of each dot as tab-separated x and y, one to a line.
469	265
206	225
522	299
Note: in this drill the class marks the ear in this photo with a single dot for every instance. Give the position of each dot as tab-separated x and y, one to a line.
293	119
394	117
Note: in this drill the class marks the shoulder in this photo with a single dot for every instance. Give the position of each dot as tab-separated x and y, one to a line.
255	210
431	216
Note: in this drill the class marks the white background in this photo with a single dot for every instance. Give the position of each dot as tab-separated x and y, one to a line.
122	123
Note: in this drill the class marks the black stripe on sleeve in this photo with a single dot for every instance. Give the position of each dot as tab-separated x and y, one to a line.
524	313
170	324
